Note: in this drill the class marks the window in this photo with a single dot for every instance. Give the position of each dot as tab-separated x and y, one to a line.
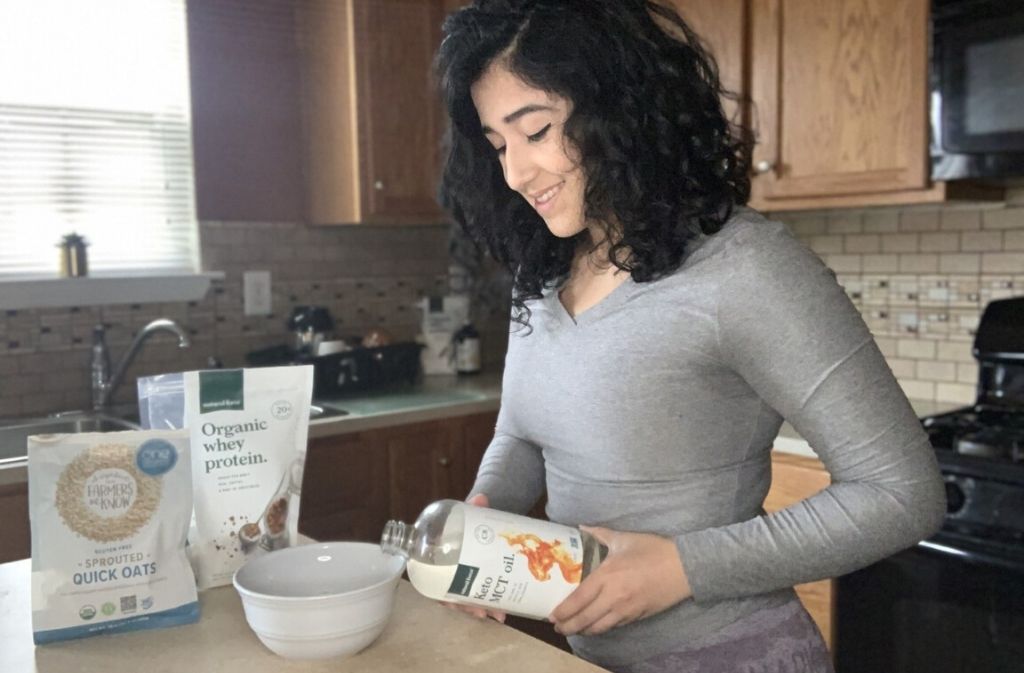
95	136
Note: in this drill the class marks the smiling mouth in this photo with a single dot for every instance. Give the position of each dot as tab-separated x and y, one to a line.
545	197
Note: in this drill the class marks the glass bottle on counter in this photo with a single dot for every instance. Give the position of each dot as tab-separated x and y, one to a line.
485	557
467	349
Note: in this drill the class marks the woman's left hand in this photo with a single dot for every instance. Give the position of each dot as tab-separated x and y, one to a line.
641	576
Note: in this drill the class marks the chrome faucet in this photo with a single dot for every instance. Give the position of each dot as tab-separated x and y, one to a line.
103	382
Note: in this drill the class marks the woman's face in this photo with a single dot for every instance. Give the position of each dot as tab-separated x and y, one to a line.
525	127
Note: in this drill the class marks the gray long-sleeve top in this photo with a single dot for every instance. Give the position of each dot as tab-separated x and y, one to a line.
655	411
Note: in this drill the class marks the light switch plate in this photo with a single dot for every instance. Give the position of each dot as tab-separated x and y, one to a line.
256	292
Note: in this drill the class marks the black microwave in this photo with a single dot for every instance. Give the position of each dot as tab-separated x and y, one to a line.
977	89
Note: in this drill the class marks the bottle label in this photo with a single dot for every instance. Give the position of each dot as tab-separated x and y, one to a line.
516	564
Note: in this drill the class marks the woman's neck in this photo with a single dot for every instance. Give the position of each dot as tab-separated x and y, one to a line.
592	278
594	258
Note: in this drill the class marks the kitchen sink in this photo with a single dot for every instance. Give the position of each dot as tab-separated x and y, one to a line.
317	410
14	433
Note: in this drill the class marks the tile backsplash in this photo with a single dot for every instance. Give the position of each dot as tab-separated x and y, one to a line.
921	276
367	277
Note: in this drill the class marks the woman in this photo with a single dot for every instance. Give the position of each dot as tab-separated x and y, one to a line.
661	334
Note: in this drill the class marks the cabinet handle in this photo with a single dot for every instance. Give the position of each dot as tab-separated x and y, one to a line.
444	461
378	185
764	166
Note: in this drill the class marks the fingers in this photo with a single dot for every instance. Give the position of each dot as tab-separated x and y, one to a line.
597	617
602	613
606	623
642	575
578	600
476	611
581	609
479	613
479	499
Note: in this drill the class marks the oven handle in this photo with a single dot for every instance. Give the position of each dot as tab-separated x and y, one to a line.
971	555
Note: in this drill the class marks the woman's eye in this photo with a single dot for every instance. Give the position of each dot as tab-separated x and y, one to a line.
539	135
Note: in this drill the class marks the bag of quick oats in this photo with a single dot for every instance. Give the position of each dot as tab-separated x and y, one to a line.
109	515
248	429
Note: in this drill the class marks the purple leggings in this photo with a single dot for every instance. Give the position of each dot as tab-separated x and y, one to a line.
777	640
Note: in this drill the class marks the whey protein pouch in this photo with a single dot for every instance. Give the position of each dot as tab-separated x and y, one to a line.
248	429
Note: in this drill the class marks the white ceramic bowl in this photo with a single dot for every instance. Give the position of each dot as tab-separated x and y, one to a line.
319	600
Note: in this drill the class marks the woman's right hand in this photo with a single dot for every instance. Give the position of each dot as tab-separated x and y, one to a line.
479	500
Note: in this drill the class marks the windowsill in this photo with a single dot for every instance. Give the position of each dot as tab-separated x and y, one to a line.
101	291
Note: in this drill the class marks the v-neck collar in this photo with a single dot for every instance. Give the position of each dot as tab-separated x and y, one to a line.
607	304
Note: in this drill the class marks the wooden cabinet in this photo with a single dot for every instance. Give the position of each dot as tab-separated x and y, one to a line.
722	26
426	462
15	542
246	126
345	493
840	94
354	483
836	99
796	478
372	114
840	105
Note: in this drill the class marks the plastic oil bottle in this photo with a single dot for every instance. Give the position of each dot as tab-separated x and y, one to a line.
480	556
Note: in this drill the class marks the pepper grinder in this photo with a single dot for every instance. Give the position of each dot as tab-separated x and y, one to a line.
73	260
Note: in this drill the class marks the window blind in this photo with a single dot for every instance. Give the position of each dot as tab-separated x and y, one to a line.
95	136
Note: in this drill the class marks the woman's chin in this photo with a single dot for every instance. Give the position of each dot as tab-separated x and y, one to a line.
562	229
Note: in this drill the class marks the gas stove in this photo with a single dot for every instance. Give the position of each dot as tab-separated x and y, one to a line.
979	451
989	433
980	448
955	601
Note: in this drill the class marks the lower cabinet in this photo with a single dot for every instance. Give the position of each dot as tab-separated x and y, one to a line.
344	488
15	543
355	482
796	478
426	462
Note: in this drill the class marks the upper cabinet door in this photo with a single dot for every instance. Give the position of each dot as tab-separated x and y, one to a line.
839	93
371	110
246	127
722	27
399	107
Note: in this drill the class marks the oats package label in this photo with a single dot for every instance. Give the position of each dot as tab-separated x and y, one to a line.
110	514
248	429
507	567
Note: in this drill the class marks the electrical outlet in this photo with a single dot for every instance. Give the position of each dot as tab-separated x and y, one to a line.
256	292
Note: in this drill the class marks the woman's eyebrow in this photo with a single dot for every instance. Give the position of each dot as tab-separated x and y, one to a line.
525	110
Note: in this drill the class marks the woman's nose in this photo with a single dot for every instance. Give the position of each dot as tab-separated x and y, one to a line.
519	167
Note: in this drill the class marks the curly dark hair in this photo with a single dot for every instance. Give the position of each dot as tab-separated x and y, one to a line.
659	157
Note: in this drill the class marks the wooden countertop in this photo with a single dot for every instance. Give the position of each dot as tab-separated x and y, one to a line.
422	636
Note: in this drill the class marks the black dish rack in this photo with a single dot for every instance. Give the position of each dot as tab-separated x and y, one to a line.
356	370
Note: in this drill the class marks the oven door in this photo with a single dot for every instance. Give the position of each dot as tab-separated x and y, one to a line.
946	605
